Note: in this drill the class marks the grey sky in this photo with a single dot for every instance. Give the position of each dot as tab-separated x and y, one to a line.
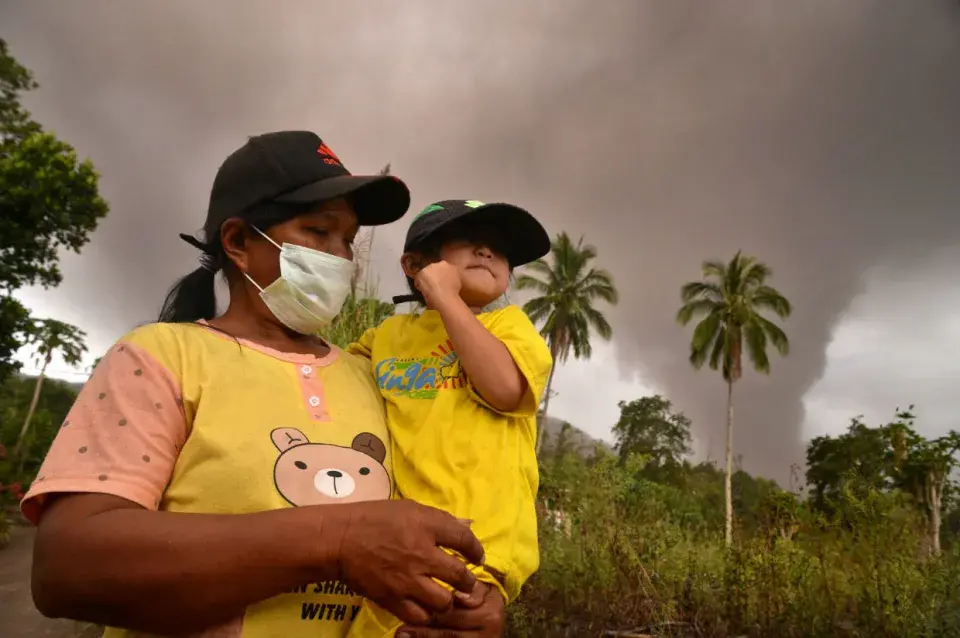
822	136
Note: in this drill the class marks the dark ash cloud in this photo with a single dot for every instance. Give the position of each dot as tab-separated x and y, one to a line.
822	136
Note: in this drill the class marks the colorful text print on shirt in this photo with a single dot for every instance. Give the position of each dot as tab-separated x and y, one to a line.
319	473
422	377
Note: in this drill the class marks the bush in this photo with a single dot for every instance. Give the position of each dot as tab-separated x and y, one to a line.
10	495
639	555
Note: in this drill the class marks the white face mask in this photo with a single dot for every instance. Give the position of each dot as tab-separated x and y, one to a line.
311	288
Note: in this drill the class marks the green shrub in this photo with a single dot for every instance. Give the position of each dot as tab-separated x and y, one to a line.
643	555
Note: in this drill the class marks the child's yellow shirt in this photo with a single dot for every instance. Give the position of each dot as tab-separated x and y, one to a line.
450	448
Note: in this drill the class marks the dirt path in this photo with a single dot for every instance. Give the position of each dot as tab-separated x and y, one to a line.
18	617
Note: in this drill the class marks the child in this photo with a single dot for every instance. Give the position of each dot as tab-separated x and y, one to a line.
462	386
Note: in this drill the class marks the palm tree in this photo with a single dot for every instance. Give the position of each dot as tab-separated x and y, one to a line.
568	290
730	300
50	336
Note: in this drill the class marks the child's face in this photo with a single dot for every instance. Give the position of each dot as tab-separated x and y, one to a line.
484	271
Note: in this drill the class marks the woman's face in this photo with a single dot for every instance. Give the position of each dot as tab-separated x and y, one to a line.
331	228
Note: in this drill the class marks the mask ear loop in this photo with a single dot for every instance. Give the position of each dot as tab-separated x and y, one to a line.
209	261
267	237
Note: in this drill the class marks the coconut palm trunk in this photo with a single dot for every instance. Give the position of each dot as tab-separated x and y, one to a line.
541	427
934	498
728	472
565	308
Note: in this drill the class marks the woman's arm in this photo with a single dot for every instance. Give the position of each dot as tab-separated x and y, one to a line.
103	559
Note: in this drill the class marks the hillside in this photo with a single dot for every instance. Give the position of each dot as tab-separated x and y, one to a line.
576	439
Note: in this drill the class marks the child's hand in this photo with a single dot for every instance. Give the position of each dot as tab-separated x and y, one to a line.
438	282
473	600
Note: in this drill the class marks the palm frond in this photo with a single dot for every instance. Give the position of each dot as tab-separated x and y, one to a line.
527	282
695	308
755	273
768	298
714	269
756	342
580	336
538	309
694	289
598	322
703	336
540	267
775	334
605	292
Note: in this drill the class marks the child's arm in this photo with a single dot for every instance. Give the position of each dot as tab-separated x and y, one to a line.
486	360
507	367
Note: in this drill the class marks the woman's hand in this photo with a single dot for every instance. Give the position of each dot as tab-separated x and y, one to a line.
484	615
390	553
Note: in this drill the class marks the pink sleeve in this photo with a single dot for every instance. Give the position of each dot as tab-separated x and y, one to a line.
121	437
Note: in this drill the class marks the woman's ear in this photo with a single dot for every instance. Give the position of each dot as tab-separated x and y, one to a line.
234	236
411	263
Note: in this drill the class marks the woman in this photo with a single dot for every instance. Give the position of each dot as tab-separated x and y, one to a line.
227	475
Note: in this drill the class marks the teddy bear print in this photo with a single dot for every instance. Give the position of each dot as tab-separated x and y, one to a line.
320	473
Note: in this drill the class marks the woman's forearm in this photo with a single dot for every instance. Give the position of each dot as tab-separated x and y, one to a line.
100	559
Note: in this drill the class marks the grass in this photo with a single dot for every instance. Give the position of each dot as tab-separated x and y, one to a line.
628	563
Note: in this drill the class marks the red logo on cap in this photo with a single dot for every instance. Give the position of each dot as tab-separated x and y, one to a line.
328	156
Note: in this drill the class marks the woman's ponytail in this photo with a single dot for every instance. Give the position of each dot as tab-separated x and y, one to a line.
194	297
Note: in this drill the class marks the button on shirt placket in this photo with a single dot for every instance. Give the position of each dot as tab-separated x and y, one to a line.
313	398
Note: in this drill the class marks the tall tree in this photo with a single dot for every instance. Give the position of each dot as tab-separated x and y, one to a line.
48	201
51	337
731	299
922	468
649	426
862	453
885	458
568	290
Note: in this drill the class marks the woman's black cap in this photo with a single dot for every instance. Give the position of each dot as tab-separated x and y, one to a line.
297	167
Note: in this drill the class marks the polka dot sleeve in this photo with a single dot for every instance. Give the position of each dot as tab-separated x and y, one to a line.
121	437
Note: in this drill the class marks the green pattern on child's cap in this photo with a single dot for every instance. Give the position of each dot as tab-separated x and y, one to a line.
432	208
473	203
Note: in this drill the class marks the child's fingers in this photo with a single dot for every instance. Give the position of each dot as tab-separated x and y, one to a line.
466	521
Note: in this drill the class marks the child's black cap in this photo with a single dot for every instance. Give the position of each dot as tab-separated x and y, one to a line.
523	238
